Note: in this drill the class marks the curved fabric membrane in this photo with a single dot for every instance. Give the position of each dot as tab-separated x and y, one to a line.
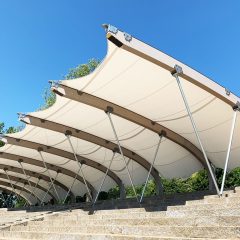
138	78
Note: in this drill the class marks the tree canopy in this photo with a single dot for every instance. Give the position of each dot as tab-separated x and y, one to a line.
8	130
80	71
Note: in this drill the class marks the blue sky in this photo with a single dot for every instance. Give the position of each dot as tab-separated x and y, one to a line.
41	40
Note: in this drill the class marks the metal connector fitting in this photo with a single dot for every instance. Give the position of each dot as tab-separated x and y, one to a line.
110	28
109	109
228	93
40	149
21	116
177	70
116	150
68	133
236	107
163	133
54	84
128	37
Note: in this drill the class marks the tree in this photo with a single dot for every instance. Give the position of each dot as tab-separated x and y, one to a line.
8	130
77	72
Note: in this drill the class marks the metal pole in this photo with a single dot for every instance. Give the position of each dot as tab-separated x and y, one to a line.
175	73
15	192
80	166
52	183
49	174
24	172
104	178
150	170
11	184
69	190
228	151
33	192
21	193
109	110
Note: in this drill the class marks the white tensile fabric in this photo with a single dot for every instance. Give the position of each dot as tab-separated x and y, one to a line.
143	87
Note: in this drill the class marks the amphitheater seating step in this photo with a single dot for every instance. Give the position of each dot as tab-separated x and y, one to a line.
208	217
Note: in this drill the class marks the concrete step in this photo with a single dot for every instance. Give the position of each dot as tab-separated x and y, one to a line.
222	200
209	213
194	221
224	194
131	215
205	206
83	236
233	194
160	231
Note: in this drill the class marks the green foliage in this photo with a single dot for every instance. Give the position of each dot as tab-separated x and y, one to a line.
10	200
114	193
233	178
103	196
49	99
82	69
77	72
8	130
197	182
20	203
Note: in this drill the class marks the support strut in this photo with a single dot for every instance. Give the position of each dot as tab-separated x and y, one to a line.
229	147
108	112
51	185
68	134
70	189
104	178
152	164
13	189
49	174
27	178
176	72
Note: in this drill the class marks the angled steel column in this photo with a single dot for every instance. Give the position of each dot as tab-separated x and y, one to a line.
108	112
15	193
23	186
152	164
51	185
34	189
49	174
5	170
235	108
25	200
68	134
20	162
104	178
69	190
176	72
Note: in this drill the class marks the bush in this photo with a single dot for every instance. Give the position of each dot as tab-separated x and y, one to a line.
197	182
103	196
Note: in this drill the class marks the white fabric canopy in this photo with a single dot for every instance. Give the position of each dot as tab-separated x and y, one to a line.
136	78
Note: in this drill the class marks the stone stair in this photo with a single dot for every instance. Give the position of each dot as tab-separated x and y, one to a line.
210	217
